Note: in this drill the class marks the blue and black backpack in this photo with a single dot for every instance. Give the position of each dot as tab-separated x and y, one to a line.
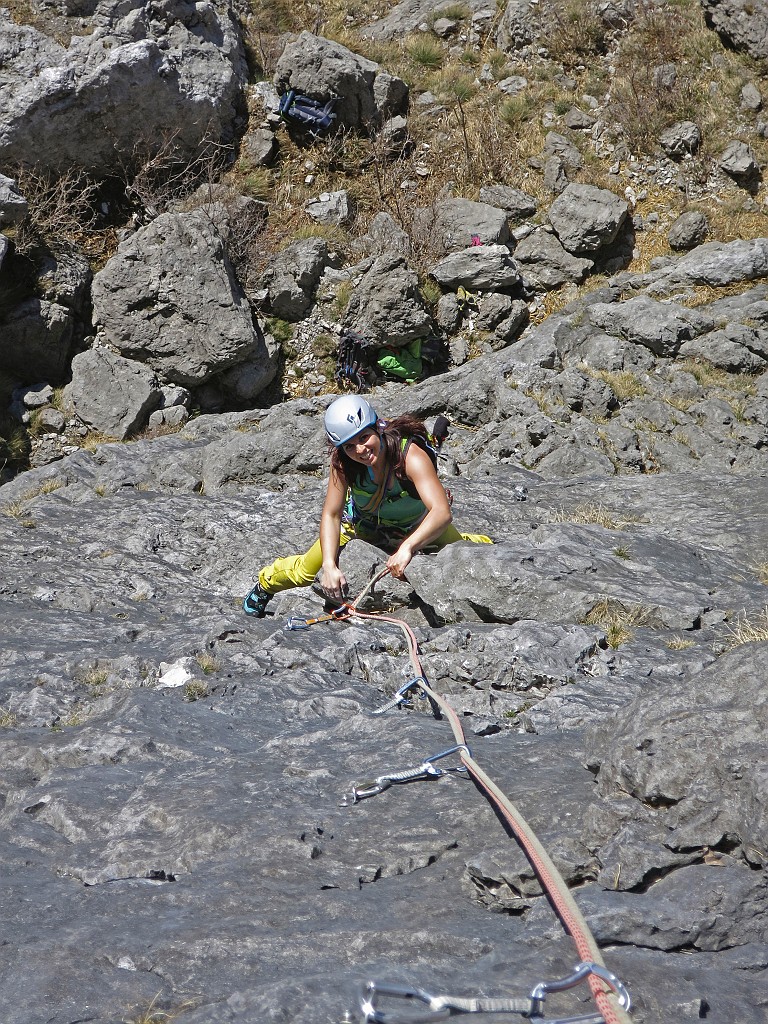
301	111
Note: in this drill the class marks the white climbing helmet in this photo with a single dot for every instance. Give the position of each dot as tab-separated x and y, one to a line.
347	417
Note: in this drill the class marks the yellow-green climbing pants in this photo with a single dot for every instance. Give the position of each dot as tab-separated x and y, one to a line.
300	570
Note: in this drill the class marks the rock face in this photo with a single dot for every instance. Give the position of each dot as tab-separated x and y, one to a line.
170	299
142	73
174	772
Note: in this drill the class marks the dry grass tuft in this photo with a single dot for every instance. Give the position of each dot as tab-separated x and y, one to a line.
623	383
712	378
746	630
679	643
618	621
594	515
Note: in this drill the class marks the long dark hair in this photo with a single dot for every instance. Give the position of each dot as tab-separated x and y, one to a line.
391	433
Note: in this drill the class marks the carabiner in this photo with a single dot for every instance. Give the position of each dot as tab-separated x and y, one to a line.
372	1015
400	696
580	972
296	622
430	768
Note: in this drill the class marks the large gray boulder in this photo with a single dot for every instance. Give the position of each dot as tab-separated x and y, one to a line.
738	161
487	268
513	201
545	264
35	341
169	298
455	224
292	278
680	138
741	24
113	395
688	230
140	75
713	263
387	305
736	348
365	93
587	218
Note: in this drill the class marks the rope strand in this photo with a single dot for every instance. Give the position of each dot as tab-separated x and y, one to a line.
552	881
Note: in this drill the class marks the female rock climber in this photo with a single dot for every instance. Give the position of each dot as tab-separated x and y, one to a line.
383	487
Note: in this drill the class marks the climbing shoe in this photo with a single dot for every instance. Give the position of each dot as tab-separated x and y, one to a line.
256	602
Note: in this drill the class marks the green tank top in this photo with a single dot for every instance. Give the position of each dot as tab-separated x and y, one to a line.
398	509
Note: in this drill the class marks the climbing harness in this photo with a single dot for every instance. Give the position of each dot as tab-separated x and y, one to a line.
442	1007
610	995
426	770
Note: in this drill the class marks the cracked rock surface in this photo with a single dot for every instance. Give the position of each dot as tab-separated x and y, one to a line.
174	773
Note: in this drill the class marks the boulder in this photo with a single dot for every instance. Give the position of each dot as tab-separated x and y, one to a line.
64	276
169	298
387	306
555	175
35	341
13	205
738	161
545	264
111	394
517	205
502	317
384	235
742	24
736	348
586	218
688	230
561	147
479	268
292	278
751	99
141	76
579	119
714	263
680	138
455	224
260	147
320	68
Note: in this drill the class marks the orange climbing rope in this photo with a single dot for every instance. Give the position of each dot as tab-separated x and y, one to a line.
612	1007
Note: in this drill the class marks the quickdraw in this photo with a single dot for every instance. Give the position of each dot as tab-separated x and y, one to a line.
442	1007
428	769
